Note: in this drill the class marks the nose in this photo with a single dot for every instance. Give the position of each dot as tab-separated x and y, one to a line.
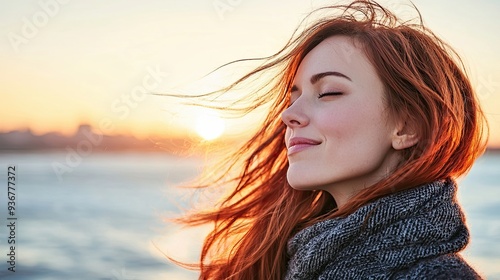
294	116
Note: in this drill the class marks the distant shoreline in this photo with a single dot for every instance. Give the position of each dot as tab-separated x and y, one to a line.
489	151
86	140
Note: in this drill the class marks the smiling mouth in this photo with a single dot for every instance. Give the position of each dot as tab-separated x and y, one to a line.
298	144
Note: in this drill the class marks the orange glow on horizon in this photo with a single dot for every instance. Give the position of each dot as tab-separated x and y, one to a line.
71	72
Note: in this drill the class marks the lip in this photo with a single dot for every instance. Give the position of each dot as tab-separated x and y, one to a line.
297	144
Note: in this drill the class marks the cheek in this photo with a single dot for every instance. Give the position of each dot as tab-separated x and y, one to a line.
341	123
355	130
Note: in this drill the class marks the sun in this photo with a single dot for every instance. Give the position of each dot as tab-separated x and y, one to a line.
209	125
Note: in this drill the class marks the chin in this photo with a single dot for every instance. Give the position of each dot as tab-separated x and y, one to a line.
301	188
300	184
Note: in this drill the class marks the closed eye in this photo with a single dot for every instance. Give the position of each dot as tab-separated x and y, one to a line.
329	94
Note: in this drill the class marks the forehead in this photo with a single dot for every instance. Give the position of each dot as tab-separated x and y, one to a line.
338	53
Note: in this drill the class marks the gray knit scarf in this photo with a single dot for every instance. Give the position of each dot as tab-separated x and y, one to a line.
414	234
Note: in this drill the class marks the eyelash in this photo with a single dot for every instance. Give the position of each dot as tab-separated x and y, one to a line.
329	94
332	93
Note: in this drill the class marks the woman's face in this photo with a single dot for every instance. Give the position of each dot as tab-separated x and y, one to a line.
339	134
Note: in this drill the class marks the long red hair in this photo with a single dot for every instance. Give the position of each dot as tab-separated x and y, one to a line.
425	84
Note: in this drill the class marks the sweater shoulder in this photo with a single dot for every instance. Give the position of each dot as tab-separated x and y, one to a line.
451	266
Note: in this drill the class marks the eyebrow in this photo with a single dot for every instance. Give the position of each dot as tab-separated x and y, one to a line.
316	77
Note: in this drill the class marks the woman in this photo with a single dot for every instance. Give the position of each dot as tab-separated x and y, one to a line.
352	175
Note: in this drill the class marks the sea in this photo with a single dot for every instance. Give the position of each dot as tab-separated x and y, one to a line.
108	215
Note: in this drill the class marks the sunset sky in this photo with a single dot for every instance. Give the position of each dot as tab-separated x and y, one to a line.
69	62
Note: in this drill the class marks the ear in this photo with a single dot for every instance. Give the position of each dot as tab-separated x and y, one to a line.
404	136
